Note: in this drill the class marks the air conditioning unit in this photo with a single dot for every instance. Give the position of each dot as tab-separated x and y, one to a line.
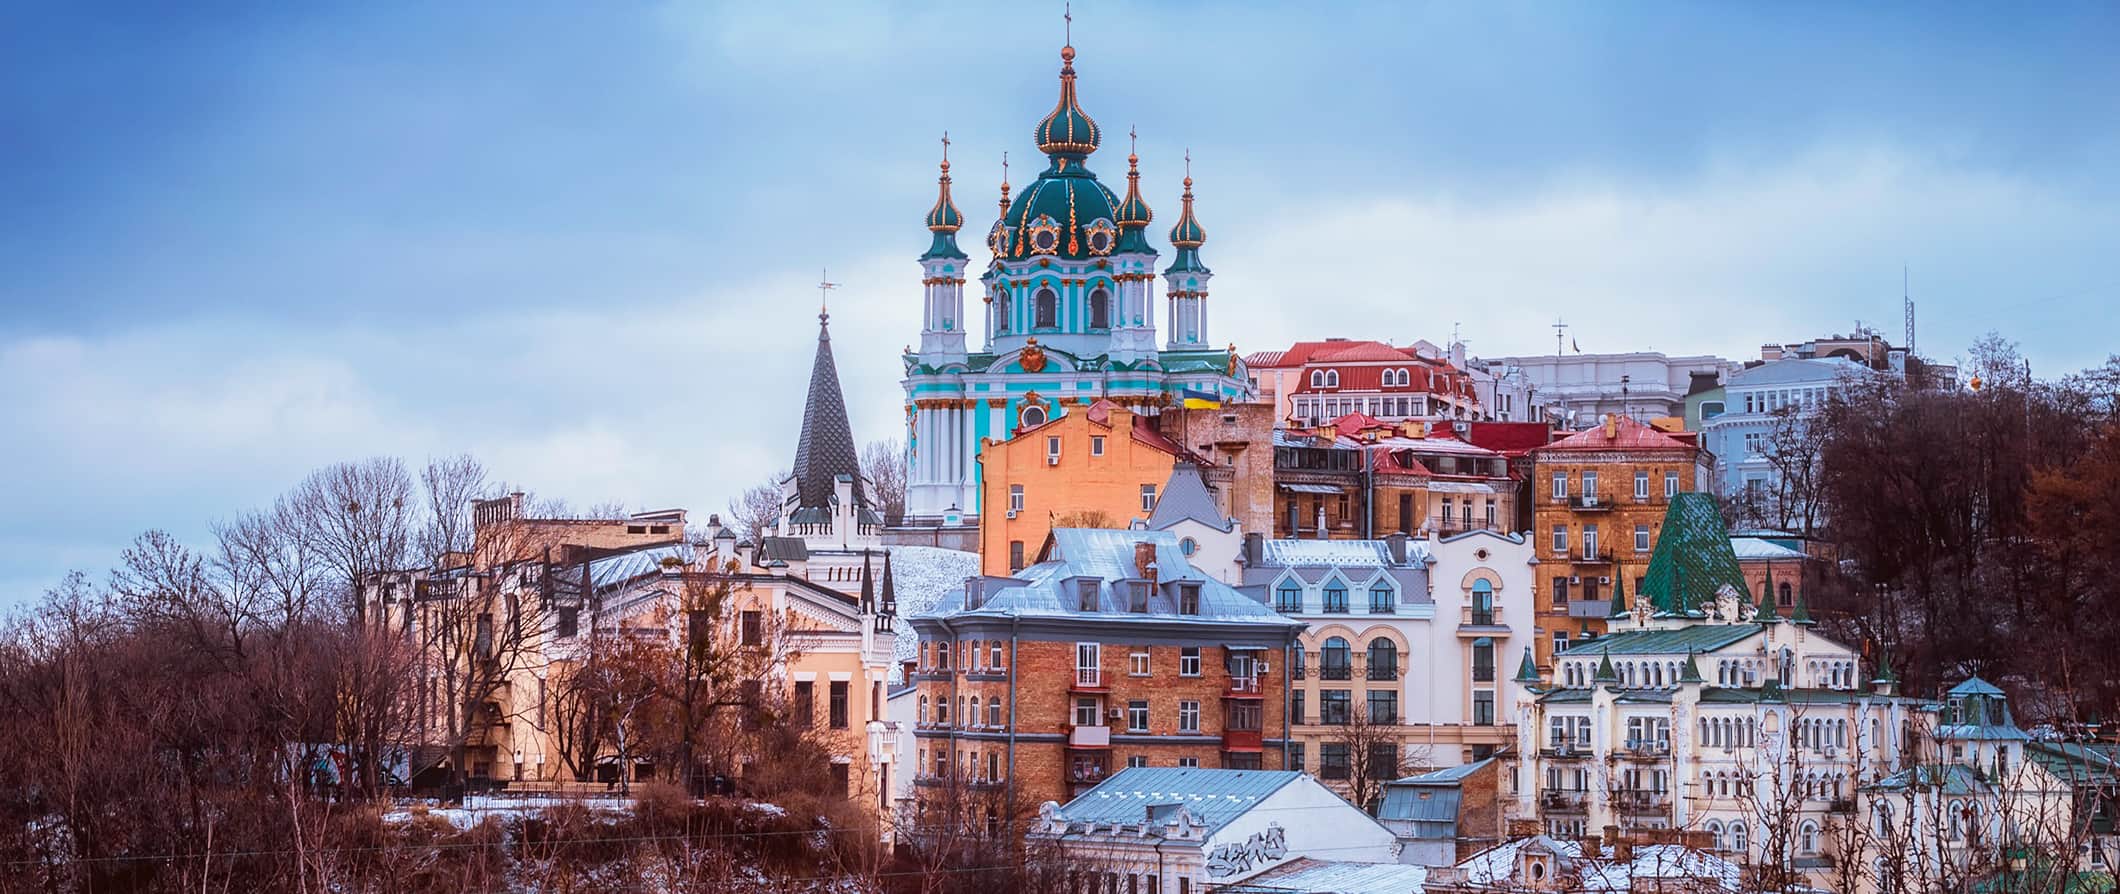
1052	459
1264	668
1575	581
1828	751
1604	580
1116	713
1012	513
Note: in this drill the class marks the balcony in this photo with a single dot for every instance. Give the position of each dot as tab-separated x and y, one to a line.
1648	749
1642	802
1088	679
1566	751
1841	805
1566	801
1475	622
1589	608
1599	556
1336	671
1245	687
1588	503
1242	740
1089	737
1087	772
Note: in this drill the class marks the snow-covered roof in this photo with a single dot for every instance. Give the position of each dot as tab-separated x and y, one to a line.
1497	866
1339	553
1214	797
923	575
1341	877
1755	548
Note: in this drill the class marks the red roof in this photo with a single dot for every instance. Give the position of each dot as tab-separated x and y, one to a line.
1356	423
1359	351
1507	438
1627	434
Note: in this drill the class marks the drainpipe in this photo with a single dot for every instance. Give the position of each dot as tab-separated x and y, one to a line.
1014	625
1288	730
1369	495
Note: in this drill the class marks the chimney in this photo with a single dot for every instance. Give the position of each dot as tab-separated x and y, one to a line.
909	665
1254	549
1622	851
1611	426
1524	828
1592	847
1612	835
1397	542
1145	561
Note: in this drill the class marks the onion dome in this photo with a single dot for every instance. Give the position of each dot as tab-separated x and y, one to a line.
1187	235
1134	213
944	219
1067	130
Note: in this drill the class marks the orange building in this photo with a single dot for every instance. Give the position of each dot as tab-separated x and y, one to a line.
1099	466
1598	501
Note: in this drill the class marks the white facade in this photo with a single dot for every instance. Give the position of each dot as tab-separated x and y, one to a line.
1583	387
1754	399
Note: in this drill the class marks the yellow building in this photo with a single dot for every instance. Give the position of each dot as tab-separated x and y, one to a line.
1098	466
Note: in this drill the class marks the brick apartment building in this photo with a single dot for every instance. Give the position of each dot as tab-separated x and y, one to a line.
1598	501
1099	466
1110	651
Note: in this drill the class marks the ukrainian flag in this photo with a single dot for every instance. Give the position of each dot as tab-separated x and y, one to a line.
1200	400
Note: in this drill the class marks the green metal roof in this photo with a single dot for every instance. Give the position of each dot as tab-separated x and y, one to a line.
1681	641
1693	560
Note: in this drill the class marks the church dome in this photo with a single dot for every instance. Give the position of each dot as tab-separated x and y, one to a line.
1065	214
1067	130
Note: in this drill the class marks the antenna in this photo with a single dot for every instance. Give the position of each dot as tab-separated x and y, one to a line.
1558	326
1906	296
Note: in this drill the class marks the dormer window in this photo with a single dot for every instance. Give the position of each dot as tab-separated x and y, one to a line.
1086	594
1137	597
1188	599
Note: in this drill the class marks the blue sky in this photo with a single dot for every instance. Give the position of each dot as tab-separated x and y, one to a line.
578	240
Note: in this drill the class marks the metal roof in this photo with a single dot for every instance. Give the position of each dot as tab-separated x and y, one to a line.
1215	797
1282	553
1107	556
1337	877
1678	641
1184	497
825	450
1755	548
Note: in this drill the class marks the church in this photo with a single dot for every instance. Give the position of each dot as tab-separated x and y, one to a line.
1070	317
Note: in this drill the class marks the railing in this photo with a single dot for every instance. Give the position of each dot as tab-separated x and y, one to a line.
1089	737
1562	800
1381	673
1483	673
1473	617
1244	685
1648	747
1643	801
1336	672
1089	676
1090	773
1597	556
1566	749
1589	608
1591	502
1242	739
1841	805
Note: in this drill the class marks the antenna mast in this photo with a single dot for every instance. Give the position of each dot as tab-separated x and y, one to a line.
1906	296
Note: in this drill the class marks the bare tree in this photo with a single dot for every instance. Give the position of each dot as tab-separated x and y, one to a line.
1794	446
883	464
451	484
1374	755
360	516
756	512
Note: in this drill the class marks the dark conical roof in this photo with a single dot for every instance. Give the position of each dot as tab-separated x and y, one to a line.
826	449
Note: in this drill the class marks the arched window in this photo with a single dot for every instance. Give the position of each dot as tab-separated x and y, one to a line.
973	716
1785	598
1383	659
1332	378
1715	831
1001	308
1336	660
1482	602
1033	416
1100	308
993	712
1048	308
1288	599
923	707
1956	813
1317	378
1738	840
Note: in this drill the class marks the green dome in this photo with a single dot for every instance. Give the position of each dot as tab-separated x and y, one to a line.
1187	233
1067	130
1134	213
1065	214
944	220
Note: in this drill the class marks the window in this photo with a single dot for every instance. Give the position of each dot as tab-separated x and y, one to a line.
1189	661
1052	449
1670	484
1188	546
1137	663
1295	707
805	709
1490	515
1148	498
1048	308
1332	378
1560	485
1089	669
1015	563
1589	541
753	628
1317	378
1335	706
1560	592
1590	487
1383	760
1191	763
1015	496
1086	712
1244	716
1332	760
1380	601
1483	660
1188	716
1641	538
1033	416
1482	602
1641	484
1137	716
570	620
1086	593
993	655
1383	706
1336	598
1138	760
993	713
1483	707
1560	539
840	709
1188	599
1096	445
1288	599
1137	597
1335	660
1100	310
1383	659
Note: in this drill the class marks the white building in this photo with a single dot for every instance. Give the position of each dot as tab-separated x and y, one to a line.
1643	384
1754	401
1180	830
1404	631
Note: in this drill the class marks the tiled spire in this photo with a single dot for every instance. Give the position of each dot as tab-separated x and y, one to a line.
825	450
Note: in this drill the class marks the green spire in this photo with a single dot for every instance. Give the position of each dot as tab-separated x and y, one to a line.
1619	595
1884	667
1527	670
1802	615
944	220
1691	672
1693	559
1605	671
1771	690
1769	611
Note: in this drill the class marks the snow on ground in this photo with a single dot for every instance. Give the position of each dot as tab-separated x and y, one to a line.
923	574
476	810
